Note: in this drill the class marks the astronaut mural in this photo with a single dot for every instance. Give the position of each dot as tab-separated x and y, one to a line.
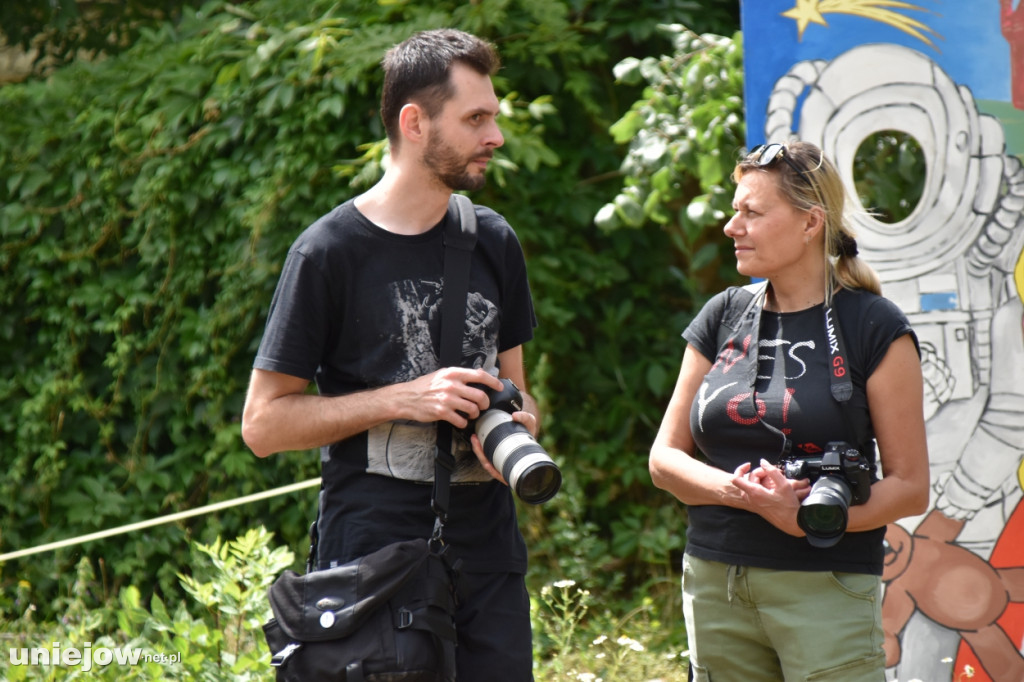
951	76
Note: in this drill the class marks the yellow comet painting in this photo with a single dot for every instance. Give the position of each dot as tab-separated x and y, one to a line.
812	11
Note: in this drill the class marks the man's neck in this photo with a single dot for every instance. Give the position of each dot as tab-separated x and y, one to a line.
404	204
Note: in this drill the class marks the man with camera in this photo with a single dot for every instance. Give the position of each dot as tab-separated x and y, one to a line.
357	310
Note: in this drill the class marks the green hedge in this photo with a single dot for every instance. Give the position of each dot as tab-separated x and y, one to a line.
147	201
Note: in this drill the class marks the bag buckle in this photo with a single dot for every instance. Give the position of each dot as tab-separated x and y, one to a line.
404	619
278	659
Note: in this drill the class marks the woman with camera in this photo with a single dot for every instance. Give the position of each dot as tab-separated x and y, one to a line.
809	362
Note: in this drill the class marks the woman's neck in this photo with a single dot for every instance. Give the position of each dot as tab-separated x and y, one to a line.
791	300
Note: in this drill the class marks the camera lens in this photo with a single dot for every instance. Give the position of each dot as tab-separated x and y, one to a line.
823	513
523	463
538	482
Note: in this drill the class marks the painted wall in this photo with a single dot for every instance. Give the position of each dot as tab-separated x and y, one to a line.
951	74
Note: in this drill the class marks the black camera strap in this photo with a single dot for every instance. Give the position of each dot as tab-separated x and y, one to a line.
459	242
839	378
839	371
839	374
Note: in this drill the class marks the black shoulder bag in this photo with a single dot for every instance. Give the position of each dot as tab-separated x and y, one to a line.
387	616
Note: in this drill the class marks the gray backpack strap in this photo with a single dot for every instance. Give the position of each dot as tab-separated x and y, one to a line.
465	237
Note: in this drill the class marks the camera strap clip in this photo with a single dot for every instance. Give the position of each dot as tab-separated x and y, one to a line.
444	464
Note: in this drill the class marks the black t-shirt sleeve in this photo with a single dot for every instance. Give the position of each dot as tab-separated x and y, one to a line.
702	332
882	323
297	328
518	316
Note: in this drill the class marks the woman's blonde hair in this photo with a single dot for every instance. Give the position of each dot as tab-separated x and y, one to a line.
806	178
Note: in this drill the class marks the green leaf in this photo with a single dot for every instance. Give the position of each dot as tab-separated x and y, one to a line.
626	127
629	210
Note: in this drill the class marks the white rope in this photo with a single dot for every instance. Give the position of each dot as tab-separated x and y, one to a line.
170	518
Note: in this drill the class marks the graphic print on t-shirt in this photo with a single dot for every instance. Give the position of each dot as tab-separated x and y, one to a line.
405	449
789	394
773	377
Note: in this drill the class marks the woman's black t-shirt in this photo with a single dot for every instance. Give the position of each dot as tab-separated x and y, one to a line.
753	400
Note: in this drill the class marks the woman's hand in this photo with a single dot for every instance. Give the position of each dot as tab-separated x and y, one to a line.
767	492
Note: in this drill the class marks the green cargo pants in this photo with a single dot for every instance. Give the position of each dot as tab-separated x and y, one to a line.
760	625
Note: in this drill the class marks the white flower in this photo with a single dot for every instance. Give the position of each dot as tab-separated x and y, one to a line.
562	584
631	643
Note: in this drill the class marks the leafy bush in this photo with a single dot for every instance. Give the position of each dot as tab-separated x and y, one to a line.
146	205
572	643
685	135
58	31
223	642
217	635
663	230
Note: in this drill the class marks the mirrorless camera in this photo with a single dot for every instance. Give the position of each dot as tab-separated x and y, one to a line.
840	477
520	459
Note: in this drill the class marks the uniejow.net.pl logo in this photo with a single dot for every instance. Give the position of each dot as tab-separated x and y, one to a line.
87	657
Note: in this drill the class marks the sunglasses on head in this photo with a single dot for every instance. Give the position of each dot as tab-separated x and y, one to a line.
765	156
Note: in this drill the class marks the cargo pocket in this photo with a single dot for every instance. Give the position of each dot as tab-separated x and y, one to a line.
857	585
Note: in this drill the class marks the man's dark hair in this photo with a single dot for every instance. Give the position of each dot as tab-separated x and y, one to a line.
419	69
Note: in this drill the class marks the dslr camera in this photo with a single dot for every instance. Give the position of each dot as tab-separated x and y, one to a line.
840	477
524	464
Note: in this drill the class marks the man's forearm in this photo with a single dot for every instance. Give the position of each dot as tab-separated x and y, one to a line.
304	421
530	405
279	415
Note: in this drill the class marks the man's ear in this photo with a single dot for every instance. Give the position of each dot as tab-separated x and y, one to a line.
413	122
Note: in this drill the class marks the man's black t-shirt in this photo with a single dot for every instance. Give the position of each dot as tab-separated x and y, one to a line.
790	392
357	307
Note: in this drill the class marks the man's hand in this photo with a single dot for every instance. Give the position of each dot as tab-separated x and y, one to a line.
446	395
526	419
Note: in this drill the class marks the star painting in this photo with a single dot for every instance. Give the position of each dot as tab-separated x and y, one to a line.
806	12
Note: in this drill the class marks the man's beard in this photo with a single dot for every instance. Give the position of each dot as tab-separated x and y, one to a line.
449	167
